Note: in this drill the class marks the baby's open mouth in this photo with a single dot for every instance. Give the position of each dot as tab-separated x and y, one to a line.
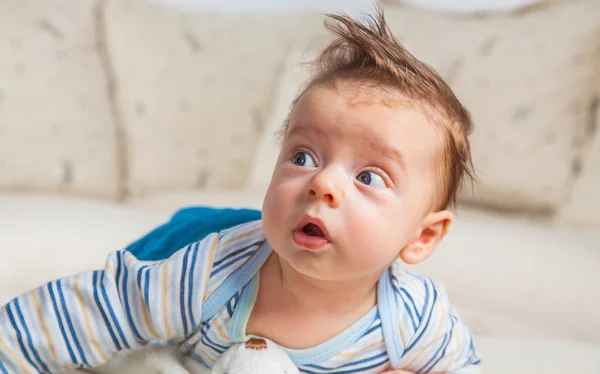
313	230
311	234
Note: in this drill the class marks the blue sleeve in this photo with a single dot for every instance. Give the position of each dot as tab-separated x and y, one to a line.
188	225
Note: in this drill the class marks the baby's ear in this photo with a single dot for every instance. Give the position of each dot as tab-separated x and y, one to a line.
432	230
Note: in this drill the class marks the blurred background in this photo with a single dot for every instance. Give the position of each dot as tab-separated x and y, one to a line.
116	113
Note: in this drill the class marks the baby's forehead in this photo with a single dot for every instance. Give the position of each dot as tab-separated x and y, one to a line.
373	114
377	99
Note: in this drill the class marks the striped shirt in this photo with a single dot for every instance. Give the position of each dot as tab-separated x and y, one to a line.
200	299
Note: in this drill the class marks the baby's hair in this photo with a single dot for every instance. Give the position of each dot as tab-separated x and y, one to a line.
369	54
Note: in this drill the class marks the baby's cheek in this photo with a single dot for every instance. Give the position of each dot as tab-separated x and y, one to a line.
275	197
269	214
276	212
377	239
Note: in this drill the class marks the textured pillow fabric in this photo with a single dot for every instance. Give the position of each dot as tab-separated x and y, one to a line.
194	89
295	75
56	128
582	207
529	80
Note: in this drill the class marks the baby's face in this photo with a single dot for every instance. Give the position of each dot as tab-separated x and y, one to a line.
352	184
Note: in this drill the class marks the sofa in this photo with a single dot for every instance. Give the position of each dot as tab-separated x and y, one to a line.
116	113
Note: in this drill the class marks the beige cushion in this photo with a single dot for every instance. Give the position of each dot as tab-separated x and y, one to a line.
194	89
582	207
56	130
517	278
295	75
528	80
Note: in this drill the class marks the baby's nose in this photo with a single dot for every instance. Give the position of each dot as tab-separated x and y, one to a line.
327	185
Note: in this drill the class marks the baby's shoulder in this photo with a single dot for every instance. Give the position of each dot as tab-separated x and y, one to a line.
235	247
239	242
418	291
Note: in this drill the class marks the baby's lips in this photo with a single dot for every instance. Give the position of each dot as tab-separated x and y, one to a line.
306	220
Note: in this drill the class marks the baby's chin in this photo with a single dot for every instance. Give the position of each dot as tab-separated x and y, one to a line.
320	268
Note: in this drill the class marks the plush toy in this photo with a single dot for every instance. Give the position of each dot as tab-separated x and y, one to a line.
256	356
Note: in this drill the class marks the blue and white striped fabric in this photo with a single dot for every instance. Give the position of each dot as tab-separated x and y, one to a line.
82	321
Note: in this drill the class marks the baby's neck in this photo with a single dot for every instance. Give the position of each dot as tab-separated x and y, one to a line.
327	297
298	312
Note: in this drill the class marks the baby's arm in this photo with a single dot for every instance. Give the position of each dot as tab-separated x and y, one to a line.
442	342
84	320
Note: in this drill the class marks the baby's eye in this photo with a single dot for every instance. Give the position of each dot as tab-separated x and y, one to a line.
304	159
370	178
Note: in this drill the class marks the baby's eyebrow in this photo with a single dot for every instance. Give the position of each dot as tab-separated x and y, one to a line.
312	130
392	154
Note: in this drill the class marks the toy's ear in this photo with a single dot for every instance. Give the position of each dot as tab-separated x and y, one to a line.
256	344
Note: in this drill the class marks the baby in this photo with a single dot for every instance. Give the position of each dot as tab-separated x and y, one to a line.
373	152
